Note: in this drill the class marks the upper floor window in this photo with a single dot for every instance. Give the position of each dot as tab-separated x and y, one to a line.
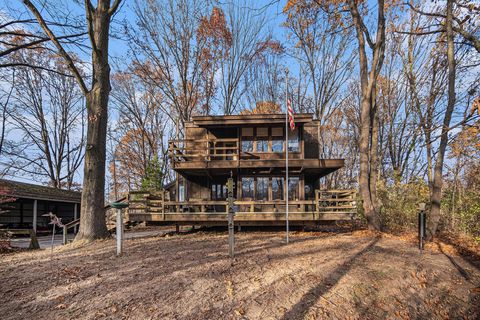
247	139
262	145
277	139
247	144
262	139
293	141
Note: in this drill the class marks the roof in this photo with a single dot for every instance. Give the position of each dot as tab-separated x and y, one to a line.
249	119
17	189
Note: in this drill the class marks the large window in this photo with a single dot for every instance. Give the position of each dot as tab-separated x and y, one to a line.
247	139
262	145
293	188
262	188
277	139
277	145
277	188
293	141
247	188
247	145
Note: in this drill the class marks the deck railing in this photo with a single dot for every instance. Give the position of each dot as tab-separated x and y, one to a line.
331	202
203	149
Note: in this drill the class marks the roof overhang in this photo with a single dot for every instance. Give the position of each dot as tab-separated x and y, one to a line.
16	189
235	120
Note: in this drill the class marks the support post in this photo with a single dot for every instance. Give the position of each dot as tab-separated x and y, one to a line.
119	231
421	226
177	228
35	206
64	241
119	225
231	216
75	217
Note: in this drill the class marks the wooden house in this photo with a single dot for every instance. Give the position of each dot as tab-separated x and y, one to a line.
251	149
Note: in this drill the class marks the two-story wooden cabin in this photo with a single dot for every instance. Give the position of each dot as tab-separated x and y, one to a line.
251	149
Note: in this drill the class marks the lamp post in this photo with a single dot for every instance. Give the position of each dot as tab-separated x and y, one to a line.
421	225
119	227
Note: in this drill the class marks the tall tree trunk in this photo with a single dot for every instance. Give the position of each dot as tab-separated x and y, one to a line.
374	152
92	224
368	79
438	170
92	213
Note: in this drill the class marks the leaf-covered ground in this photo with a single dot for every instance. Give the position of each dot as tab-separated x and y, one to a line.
189	276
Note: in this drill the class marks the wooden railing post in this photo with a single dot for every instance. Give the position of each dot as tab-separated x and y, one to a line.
64	235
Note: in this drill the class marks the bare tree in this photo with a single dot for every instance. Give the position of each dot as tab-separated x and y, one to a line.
249	39
141	131
98	20
47	119
167	47
323	50
448	23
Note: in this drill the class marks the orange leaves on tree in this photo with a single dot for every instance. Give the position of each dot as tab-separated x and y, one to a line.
476	105
263	107
215	28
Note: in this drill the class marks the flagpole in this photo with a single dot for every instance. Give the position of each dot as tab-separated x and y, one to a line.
286	152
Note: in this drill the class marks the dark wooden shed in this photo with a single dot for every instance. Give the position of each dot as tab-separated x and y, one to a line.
23	204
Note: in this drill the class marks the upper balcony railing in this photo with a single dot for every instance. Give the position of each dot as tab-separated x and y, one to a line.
203	149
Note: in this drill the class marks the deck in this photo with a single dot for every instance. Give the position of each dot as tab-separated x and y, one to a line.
190	155
332	205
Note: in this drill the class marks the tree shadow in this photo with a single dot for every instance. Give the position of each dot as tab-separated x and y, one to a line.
473	258
299	310
462	271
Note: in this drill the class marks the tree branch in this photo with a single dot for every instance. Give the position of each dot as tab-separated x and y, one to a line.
33	43
59	46
114	7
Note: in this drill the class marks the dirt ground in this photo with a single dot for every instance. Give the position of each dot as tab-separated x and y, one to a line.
318	275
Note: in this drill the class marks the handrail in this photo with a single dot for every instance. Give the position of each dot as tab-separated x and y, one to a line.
67	226
203	149
76	222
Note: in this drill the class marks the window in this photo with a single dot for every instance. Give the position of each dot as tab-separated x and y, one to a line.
293	188
247	139
247	188
219	191
262	132
181	192
262	145
308	191
277	139
277	188
247	132
247	145
262	188
277	145
293	141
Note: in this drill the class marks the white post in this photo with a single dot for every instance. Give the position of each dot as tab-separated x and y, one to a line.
75	217
119	231
35	215
286	152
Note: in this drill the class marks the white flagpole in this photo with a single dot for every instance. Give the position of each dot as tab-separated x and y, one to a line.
286	152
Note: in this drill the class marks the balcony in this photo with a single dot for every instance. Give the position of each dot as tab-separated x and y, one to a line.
190	152
190	155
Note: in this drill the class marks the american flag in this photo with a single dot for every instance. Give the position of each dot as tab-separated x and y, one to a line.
290	115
